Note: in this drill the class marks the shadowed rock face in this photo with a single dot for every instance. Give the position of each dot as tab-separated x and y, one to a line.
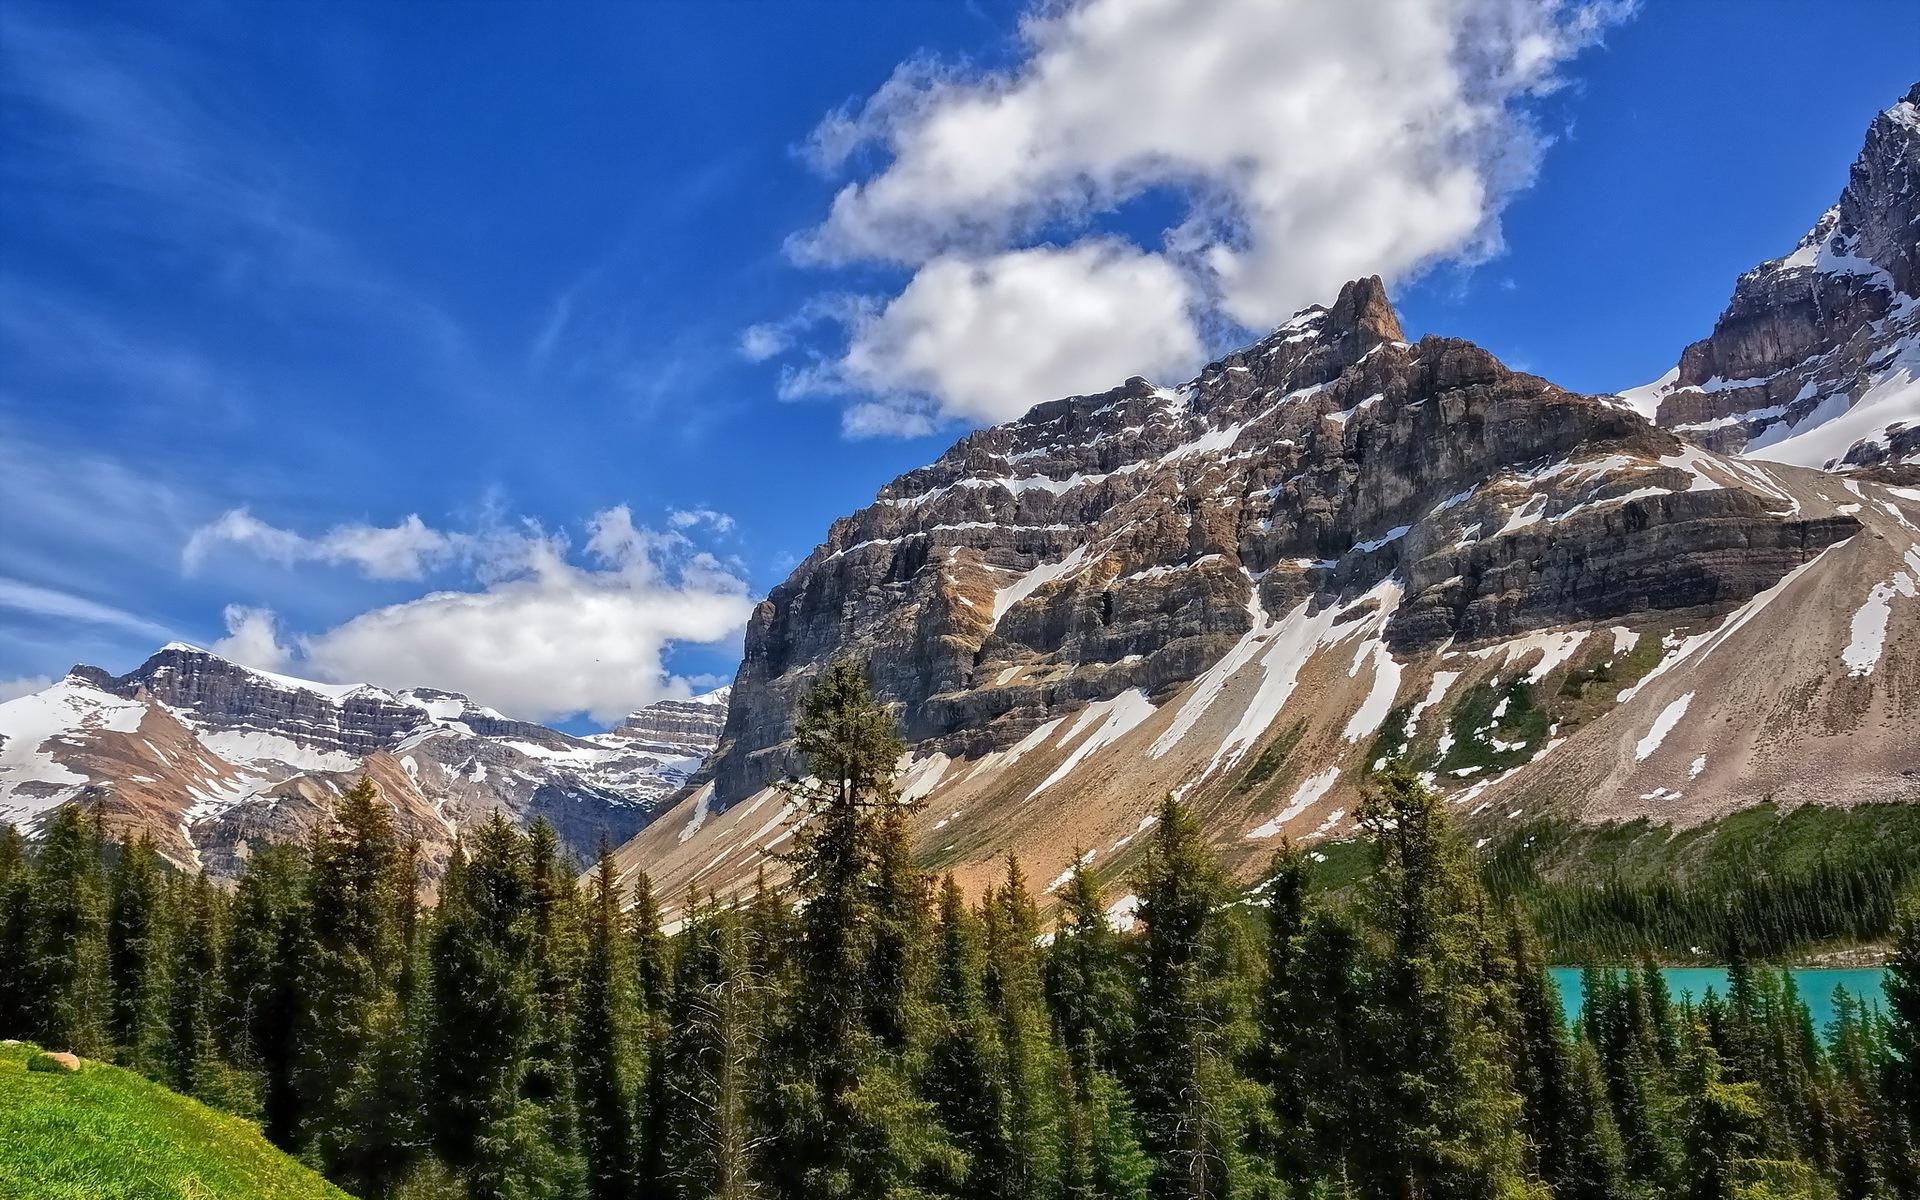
1831	327
1128	540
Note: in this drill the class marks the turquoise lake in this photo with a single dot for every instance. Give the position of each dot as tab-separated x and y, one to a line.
1816	986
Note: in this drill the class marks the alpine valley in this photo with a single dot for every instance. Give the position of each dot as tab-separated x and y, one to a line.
1332	548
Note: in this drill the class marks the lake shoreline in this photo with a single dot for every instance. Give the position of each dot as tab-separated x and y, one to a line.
1871	954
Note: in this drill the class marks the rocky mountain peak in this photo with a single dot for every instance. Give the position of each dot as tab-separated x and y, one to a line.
1108	550
1815	359
1879	213
1364	311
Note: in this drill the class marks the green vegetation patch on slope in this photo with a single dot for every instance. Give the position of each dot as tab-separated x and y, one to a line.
1782	883
102	1133
1495	728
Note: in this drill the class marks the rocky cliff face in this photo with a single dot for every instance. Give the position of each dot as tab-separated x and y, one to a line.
213	758
1329	549
1125	541
1816	359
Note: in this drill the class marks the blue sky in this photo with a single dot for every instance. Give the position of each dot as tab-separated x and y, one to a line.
519	348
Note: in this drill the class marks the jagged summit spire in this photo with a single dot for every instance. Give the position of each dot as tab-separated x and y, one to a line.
1364	309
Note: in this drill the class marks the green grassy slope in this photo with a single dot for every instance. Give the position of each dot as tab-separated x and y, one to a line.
107	1134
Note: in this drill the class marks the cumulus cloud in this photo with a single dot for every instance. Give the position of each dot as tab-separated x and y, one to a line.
1304	143
983	339
404	551
545	633
253	639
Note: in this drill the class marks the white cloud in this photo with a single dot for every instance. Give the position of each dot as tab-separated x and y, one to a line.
758	343
690	518
37	601
1306	143
404	551
541	635
984	339
253	639
26	685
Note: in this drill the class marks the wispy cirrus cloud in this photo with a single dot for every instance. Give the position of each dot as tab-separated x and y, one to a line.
37	601
1300	143
131	136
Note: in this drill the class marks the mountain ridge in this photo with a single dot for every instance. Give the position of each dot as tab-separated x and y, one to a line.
211	756
1333	547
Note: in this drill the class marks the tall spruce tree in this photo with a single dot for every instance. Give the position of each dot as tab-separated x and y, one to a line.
1179	1055
1027	1068
1290	1028
606	1074
16	934
961	1076
67	939
653	984
1450	1117
484	1013
261	999
348	961
845	1119
194	992
1088	992
136	950
710	1058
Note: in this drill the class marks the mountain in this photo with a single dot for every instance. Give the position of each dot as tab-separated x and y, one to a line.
213	758
1816	360
1335	547
1326	549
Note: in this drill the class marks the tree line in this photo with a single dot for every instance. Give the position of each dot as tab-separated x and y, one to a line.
864	1031
1815	877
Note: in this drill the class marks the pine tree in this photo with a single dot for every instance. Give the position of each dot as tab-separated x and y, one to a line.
261	999
16	934
1594	1166
605	1072
135	950
845	1120
709	1060
1289	1028
1088	993
67	942
1901	1077
1450	1114
1014	999
194	974
1718	1121
348	960
962	1078
375	1142
1178	1053
483	1012
653	983
556	951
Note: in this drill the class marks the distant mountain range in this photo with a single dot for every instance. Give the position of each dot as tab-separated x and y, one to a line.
1332	548
1335	547
213	758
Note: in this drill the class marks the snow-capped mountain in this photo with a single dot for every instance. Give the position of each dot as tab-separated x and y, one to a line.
1335	547
1816	360
1331	548
212	757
